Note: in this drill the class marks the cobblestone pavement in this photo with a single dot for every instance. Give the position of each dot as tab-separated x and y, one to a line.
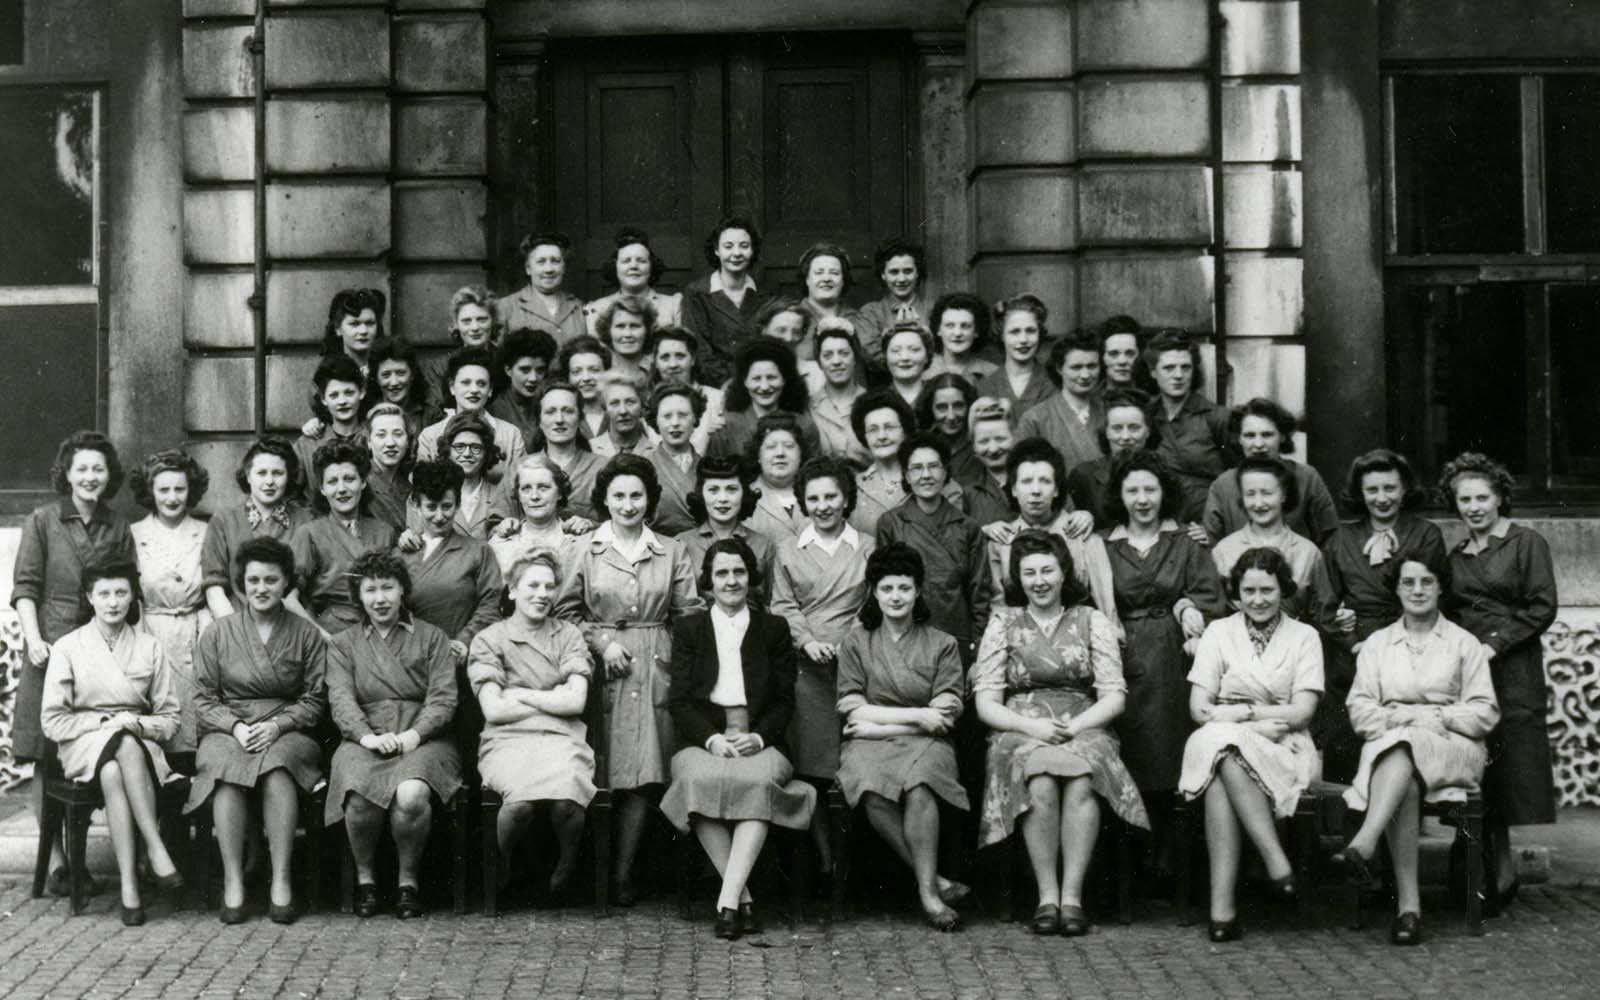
1548	947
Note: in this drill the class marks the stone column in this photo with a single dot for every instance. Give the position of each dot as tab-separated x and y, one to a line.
942	163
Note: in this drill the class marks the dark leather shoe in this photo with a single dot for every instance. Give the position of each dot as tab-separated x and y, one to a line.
1074	923
727	924
1406	929
231	915
1046	919
368	902
171	884
133	916
1282	890
749	923
282	914
408	903
1358	868
1223	931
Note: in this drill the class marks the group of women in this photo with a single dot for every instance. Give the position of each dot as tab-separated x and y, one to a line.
788	545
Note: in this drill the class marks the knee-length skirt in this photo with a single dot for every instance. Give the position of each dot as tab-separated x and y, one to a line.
221	758
82	757
537	766
895	766
1449	764
375	777
1284	769
759	787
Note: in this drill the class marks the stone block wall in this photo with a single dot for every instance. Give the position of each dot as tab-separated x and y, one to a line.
1092	158
376	175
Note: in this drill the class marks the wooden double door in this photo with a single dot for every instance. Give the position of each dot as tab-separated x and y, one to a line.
809	136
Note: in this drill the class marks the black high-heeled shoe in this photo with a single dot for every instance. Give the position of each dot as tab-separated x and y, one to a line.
132	916
1283	890
171	883
1223	931
727	927
1358	868
285	914
231	915
749	922
1406	929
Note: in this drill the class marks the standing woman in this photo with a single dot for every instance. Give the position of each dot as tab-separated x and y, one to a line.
1423	700
523	359
983	486
1073	417
58	540
453	580
960	323
1048	682
901	267
818	584
672	414
583	363
269	477
325	547
542	304
389	446
882	420
942	408
335	408
259	695
1022	379
723	498
396	376
674	354
560	443
1167	589
1256	679
355	326
907	349
469	379
1263	429
1190	431
392	694
168	543
531	673
778	453
543	491
837	387
1121	344
625	586
825	275
900	694
624	394
1268	490
468	443
1126	431
635	269
1503	590
472	325
1383	492
721	307
765	381
109	703
624	327
732	698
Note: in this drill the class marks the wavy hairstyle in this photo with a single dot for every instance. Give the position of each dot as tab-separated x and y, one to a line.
794	398
141	481
982	319
1279	469
827	467
432	479
923	439
1037	449
339	451
633	306
1437	562
376	564
1038	542
900	247
263	549
724	224
894	559
1380	460
923	411
1166	340
1078	340
1264	409
277	448
825	249
1480	466
1267	560
722	467
470	423
113	568
771	424
1142	460
661	393
395	350
872	401
97	442
336	368
627	236
627	464
558	475
1124	399
352	302
729	547
533	241
519	568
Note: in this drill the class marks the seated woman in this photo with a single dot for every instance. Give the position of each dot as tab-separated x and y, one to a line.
392	693
900	694
109	702
324	548
1424	702
258	695
1052	750
531	675
732	696
1256	679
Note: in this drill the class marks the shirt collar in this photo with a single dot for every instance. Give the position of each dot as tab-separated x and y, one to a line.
1399	629
518	630
742	618
404	622
716	284
603	536
1121	531
68	511
808	534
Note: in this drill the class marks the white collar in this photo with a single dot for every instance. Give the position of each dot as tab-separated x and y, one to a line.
716	284
808	535
604	536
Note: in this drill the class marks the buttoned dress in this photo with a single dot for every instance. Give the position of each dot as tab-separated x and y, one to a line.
230	528
1227	665
955	565
323	551
1056	421
88	684
632	601
1089	565
522	311
174	608
1446	676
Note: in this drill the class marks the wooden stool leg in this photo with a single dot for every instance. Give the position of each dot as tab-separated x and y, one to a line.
489	817
1471	827
688	860
1124	834
839	833
600	823
793	855
49	829
77	832
1183	830
458	851
347	874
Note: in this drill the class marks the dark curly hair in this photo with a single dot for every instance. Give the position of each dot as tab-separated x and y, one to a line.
722	467
583	344
1380	460
1267	560
277	448
627	237
352	302
337	368
676	335
377	565
519	344
793	399
766	427
982	320
1437	563
113	568
466	357
1028	303
1169	339
142	480
533	241
929	347
431	480
627	464
777	307
900	247
923	411
724	224
1124	399
1038	542
827	467
1265	409
339	451
91	441
1480	466
697	403
894	559
833	250
1141	461
873	400
1077	340
395	350
923	439
1278	468
1037	449
727	547
263	549
463	423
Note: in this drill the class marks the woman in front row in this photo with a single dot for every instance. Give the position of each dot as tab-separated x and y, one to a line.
258	694
900	694
732	696
392	693
1048	681
1256	679
1424	702
109	702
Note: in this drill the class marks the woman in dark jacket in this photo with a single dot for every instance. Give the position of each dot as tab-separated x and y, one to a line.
732	695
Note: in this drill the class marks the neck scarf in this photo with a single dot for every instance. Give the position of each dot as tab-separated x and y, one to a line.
1261	635
1380	547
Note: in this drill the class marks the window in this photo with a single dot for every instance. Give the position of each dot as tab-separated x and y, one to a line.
11	41
49	274
1492	272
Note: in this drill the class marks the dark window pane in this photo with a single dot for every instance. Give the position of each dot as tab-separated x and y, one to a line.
47	171
48	383
1458	164
11	47
1572	147
1458	373
1574	374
